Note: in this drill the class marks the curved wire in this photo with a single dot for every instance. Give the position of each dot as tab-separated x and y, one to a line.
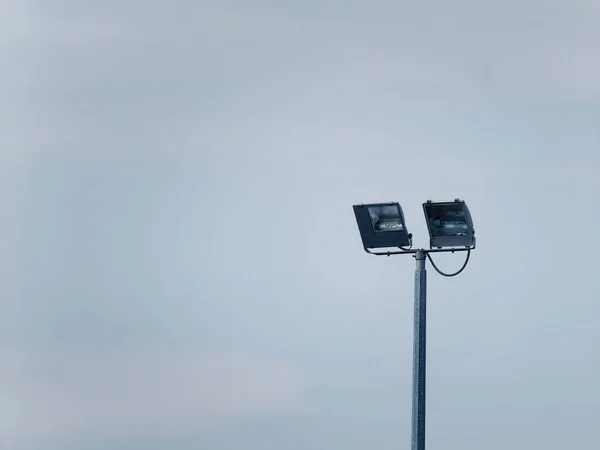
409	247
449	274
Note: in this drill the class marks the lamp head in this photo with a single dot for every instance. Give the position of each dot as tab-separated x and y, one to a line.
449	224
381	225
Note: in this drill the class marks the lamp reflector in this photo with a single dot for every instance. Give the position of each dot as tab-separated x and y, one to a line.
385	218
447	220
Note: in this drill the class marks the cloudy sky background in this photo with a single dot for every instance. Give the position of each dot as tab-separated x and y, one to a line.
179	263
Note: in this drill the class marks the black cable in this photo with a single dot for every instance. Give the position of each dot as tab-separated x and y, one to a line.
450	274
407	249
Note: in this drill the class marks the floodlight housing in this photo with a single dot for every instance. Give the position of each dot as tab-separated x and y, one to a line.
449	224
382	225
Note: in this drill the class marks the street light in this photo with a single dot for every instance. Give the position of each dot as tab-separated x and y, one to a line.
450	226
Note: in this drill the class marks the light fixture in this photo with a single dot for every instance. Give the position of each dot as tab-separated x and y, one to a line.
382	225
449	224
450	230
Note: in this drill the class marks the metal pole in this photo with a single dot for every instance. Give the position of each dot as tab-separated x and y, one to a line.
419	354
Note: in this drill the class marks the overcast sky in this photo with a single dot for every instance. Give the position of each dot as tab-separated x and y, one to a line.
179	262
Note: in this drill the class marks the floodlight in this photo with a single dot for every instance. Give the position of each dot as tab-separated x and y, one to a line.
450	230
381	225
449	224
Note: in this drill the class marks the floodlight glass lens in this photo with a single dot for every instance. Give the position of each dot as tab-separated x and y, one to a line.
385	218
447	220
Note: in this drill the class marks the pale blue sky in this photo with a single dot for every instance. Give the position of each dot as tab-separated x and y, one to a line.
181	267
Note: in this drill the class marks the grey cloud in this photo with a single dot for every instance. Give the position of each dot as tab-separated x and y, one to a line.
181	175
55	395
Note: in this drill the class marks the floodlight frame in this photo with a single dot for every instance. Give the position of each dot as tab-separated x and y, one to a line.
386	239
412	251
451	242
